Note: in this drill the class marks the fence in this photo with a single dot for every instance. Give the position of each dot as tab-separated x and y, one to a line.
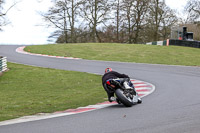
3	64
161	43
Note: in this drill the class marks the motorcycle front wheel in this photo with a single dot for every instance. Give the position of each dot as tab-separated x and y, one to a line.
127	101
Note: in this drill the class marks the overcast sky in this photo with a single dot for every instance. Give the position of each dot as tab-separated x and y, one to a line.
24	19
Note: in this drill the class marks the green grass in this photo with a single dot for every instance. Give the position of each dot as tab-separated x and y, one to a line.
172	55
27	90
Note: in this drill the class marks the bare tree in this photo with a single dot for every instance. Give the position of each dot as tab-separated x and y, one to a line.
193	9
155	15
169	19
160	16
72	11
135	17
127	7
2	19
117	21
140	9
62	16
95	12
3	13
126	21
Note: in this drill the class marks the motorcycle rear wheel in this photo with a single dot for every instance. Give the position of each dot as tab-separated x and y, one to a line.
125	100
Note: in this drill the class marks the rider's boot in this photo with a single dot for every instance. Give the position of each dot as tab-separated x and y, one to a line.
137	99
111	99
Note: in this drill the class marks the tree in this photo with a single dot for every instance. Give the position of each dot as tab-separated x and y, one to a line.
140	9
62	16
95	12
127	7
160	18
2	19
3	13
169	19
125	21
193	9
155	15
117	21
72	12
134	17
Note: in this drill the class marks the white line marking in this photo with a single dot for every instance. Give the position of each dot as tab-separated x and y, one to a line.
21	50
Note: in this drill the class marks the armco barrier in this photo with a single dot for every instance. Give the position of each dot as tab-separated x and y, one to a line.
3	64
186	43
195	44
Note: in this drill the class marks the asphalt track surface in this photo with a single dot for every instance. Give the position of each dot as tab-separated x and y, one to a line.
173	108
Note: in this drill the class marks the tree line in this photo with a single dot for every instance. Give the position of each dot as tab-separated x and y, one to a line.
121	21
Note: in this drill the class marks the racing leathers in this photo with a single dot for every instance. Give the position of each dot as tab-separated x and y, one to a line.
113	75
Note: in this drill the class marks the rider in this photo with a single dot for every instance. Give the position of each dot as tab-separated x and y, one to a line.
109	74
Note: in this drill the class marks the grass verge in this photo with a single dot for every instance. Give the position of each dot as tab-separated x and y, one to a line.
172	55
27	90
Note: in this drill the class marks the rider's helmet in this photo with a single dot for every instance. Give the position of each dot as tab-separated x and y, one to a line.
108	70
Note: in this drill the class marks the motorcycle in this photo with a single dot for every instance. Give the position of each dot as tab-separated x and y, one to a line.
124	91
